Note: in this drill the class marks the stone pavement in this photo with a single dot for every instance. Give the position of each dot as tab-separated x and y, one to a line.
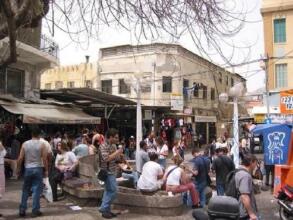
59	210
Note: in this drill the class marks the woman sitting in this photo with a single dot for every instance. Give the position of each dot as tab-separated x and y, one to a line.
177	180
65	165
127	171
152	172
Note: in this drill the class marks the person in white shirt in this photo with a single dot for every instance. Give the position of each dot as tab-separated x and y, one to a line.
2	173
152	173
177	181
163	151
65	165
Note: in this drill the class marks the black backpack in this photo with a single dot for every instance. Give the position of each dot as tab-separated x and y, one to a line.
230	184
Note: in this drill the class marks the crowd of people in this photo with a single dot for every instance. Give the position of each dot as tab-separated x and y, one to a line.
57	158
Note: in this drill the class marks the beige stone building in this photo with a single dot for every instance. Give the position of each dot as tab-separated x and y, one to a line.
176	83
73	76
277	19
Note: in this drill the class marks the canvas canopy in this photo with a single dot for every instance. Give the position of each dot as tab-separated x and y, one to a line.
49	114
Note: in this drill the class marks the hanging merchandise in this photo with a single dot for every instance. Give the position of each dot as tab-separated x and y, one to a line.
181	122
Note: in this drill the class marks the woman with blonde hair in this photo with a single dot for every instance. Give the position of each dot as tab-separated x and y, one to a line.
177	181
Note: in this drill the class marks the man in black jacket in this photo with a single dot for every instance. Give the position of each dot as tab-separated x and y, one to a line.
222	165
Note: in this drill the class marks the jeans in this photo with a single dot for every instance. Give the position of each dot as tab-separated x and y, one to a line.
110	191
201	190
220	189
33	180
132	177
162	162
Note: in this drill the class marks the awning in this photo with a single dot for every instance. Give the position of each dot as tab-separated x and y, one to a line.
49	114
83	96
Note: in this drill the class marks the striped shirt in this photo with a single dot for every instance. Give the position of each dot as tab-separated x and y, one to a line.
106	150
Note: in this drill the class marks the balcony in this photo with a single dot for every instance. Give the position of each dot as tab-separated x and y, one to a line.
49	46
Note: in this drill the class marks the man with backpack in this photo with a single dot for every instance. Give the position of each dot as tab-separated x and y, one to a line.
222	165
239	185
201	168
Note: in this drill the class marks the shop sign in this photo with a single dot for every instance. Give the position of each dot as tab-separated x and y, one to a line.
259	119
275	119
188	111
286	102
177	102
147	114
198	118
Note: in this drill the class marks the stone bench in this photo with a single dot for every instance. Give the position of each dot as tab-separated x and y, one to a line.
158	203
86	189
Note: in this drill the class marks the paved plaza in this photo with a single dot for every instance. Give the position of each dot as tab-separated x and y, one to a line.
60	210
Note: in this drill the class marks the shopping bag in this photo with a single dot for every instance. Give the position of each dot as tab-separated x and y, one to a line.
47	190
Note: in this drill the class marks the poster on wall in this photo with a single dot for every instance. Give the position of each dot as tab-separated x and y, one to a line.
176	102
286	102
276	140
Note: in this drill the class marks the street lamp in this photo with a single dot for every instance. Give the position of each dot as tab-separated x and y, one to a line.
137	81
235	92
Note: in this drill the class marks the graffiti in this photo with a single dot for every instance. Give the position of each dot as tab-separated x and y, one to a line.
276	142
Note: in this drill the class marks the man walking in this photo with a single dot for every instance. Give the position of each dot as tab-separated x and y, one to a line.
34	155
109	156
222	165
244	184
201	167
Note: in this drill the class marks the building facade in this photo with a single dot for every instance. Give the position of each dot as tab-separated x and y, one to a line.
36	53
175	84
277	19
170	72
73	76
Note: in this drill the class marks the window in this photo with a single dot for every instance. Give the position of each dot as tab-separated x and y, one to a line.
12	81
204	92
220	77
70	84
123	87
107	86
280	30
232	81
48	85
185	87
58	85
167	84
227	81
212	94
88	84
195	89
281	75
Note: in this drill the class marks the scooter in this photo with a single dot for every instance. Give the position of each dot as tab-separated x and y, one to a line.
285	200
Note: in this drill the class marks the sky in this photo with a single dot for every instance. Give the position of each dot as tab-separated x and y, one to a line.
251	35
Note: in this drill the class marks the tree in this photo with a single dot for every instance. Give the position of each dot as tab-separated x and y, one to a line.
210	21
17	14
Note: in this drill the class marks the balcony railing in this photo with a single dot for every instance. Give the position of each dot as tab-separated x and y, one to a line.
49	46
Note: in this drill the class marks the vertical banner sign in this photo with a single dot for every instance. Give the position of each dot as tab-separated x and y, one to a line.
276	144
286	102
177	102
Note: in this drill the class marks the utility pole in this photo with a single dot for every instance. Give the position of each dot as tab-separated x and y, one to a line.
264	66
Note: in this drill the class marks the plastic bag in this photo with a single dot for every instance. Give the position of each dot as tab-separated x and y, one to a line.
47	190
